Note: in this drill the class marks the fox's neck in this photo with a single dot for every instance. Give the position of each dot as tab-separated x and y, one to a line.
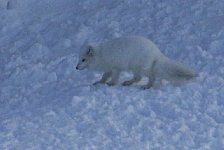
97	64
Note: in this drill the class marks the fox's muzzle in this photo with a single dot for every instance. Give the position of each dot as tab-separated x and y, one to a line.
79	67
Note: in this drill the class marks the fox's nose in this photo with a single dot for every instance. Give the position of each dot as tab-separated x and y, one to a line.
76	68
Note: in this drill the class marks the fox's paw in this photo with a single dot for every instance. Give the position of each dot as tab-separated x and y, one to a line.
144	87
97	82
127	83
110	83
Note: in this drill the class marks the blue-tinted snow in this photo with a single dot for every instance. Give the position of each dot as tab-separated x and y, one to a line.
46	104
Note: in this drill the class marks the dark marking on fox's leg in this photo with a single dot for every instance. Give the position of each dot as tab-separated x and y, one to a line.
136	78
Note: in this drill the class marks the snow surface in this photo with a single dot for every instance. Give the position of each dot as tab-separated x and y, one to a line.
46	104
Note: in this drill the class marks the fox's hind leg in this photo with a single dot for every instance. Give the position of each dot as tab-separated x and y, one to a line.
151	77
150	81
104	78
136	78
114	77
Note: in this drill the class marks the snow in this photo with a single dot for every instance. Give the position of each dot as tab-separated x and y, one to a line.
46	104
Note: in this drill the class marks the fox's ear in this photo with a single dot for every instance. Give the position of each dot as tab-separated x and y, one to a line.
90	51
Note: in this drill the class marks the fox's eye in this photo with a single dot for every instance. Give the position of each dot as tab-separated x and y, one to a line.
83	60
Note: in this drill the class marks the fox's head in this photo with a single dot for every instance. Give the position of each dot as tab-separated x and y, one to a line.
86	55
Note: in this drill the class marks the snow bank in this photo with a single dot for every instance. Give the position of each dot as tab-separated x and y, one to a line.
46	104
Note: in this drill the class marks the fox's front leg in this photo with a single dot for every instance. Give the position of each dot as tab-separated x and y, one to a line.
104	78
114	77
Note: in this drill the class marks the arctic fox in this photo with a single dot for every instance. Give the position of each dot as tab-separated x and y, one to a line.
132	54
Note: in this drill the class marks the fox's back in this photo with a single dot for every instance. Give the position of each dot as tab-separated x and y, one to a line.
131	44
130	51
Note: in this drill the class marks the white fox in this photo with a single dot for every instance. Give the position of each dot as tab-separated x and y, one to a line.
133	54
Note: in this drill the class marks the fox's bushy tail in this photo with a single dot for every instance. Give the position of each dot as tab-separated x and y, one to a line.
175	71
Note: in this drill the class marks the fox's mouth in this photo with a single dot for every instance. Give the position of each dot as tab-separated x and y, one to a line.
79	68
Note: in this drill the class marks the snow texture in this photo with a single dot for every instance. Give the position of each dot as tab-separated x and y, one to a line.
46	104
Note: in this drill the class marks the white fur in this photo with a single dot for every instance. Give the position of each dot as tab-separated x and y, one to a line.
133	54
